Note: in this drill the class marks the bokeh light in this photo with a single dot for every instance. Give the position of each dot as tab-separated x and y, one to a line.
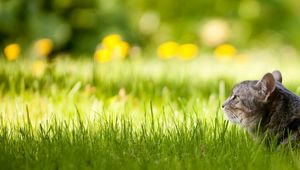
214	32
149	22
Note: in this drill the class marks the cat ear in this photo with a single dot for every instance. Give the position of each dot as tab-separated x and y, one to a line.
266	85
277	76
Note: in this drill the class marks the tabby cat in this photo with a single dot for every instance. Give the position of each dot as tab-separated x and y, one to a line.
265	108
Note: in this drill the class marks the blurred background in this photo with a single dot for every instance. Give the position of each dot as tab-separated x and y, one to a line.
77	26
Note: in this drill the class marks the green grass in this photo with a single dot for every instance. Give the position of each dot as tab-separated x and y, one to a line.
76	117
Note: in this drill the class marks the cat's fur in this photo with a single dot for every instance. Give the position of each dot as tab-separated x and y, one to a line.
265	108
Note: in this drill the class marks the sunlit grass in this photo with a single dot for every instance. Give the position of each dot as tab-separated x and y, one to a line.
133	114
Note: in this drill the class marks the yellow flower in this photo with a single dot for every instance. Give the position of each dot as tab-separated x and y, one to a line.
112	46
103	55
43	47
121	50
188	51
110	41
38	68
225	51
167	50
12	51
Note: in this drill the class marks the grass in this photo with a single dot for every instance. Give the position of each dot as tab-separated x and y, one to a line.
140	114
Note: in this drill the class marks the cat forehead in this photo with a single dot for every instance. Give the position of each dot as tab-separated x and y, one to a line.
244	86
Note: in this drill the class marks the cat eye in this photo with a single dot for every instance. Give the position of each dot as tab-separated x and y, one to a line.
233	97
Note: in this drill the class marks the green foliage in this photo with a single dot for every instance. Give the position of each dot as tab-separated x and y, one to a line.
78	26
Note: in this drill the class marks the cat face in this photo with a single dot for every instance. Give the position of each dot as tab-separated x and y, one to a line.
248	100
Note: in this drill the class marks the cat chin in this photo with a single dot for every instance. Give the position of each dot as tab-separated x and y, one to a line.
232	119
235	121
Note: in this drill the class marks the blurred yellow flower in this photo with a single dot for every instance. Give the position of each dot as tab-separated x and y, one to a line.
12	51
188	51
112	47
225	51
43	47
110	41
103	55
167	50
121	49
38	68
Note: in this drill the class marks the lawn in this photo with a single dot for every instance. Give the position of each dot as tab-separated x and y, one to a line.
132	114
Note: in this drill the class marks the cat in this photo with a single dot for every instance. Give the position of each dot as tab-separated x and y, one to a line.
265	108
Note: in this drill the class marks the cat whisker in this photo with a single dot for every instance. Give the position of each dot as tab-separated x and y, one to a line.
231	116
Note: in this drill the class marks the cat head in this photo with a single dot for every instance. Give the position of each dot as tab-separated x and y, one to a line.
249	99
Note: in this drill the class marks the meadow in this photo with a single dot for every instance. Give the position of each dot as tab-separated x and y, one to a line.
140	113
